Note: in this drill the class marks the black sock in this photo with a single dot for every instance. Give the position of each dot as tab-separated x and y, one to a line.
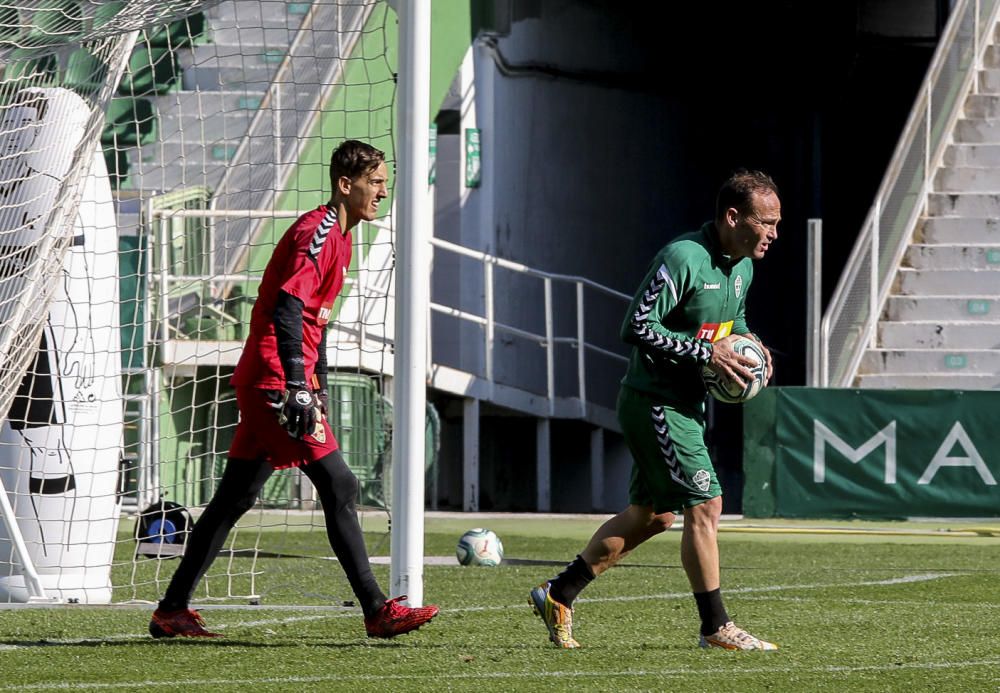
237	492
713	614
337	488
565	587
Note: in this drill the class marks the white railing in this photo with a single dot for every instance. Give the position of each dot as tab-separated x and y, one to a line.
164	285
849	325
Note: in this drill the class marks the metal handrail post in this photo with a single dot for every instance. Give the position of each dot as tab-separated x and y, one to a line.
490	323
550	369
581	366
814	254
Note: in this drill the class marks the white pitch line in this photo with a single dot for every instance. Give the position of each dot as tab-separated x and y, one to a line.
124	637
728	671
882	602
906	579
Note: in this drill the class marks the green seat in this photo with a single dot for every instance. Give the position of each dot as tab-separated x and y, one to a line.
55	22
30	70
182	32
150	70
10	24
360	418
106	12
117	163
129	123
84	73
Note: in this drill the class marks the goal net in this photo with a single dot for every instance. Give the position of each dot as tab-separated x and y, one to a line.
152	155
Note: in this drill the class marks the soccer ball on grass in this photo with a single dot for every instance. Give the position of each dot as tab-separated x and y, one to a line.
479	547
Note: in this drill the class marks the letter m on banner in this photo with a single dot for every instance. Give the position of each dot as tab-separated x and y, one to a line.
823	435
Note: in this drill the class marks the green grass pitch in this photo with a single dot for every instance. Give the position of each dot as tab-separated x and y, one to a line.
852	612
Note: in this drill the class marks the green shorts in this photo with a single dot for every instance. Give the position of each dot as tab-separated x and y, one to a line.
671	468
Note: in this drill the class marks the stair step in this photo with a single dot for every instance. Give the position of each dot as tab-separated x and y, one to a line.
978	130
967	179
978	106
988	81
265	13
928	381
939	335
958	230
977	155
232	56
983	205
230	125
925	282
966	308
975	361
992	56
166	179
255	37
208	104
186	153
217	67
941	256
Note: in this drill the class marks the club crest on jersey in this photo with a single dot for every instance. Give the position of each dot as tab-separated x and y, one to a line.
714	331
738	285
702	480
319	433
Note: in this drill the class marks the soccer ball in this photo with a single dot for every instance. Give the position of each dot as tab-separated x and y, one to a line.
479	547
734	393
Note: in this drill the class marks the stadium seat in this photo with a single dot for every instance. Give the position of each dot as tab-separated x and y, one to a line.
150	70
33	71
105	13
10	24
84	73
177	34
55	22
129	122
117	162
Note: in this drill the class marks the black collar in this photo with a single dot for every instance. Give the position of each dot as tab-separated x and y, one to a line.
711	235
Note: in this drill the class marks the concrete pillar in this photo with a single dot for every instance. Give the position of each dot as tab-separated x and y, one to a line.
470	455
543	439
597	469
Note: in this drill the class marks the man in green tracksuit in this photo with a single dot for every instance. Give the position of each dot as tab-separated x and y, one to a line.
687	313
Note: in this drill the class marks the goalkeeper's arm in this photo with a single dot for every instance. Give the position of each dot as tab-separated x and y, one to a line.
322	392
298	413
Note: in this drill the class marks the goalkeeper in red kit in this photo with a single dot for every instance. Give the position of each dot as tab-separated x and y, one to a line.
281	392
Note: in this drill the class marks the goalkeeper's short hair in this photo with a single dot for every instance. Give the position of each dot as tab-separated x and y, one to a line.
352	159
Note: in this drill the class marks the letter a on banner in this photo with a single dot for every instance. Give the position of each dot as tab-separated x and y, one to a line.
957	434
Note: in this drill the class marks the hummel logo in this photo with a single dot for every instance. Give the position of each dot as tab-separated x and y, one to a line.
717	285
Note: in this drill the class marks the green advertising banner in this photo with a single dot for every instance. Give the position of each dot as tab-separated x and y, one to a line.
872	453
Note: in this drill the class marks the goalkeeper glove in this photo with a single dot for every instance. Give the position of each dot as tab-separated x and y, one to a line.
298	410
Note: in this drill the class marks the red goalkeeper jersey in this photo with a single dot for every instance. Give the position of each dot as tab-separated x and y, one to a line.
309	262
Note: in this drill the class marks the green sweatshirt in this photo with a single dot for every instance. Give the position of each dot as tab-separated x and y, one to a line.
691	296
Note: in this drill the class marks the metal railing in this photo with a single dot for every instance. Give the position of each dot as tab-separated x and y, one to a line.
166	288
849	325
545	336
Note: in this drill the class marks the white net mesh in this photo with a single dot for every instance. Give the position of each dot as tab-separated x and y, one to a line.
124	315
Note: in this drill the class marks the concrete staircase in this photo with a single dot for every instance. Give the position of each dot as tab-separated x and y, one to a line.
941	324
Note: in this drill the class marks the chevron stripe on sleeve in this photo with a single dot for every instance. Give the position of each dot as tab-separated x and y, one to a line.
322	231
642	326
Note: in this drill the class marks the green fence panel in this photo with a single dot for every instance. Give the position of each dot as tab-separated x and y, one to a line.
872	453
359	417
